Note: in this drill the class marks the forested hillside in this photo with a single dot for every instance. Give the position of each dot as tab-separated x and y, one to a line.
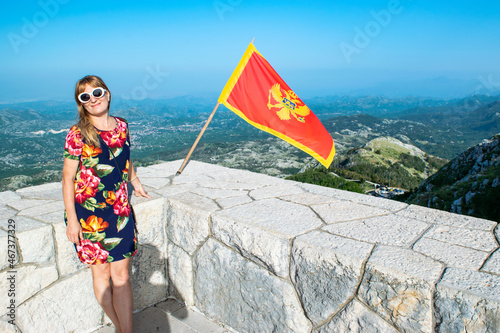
383	161
468	184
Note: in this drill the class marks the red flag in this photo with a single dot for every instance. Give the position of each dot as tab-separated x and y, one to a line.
256	93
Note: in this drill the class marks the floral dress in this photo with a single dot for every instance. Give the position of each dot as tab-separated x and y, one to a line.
101	195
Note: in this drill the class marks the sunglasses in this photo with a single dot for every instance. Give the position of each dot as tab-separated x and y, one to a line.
85	97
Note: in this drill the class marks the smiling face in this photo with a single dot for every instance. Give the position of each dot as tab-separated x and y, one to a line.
96	106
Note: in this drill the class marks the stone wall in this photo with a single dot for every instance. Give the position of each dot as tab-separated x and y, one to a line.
262	254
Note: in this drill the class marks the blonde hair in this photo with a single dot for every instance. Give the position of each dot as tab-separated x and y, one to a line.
84	123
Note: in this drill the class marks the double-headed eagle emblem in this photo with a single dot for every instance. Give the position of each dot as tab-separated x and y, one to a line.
286	104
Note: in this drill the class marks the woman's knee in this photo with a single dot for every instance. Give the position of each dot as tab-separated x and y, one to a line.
120	272
101	272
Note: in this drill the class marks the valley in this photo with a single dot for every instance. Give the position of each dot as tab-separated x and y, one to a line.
426	131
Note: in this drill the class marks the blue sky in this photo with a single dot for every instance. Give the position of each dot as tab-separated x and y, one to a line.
169	48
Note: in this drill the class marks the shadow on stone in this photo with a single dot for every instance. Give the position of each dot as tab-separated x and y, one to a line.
148	276
152	320
181	312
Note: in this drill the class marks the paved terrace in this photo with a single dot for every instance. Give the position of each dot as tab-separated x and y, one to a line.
255	253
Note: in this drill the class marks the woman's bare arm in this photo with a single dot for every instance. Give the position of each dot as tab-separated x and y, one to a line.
73	228
136	183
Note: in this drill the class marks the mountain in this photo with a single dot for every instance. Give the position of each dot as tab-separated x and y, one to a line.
382	161
441	87
165	130
386	160
468	184
443	130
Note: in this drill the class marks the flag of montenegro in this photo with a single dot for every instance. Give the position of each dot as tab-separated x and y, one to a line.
256	93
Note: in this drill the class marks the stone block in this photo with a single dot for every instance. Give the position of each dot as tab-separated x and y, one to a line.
356	318
388	230
148	276
262	230
66	306
471	238
6	327
161	170
340	211
233	184
7	212
218	193
8	197
34	211
21	204
185	178
4	249
440	217
51	218
364	199
451	255
233	201
66	257
260	246
398	285
307	199
50	191
188	220
467	301
325	270
274	191
220	173
180	273
28	280
166	169
172	190
146	172
35	239
134	200
492	265
150	223
155	182
244	295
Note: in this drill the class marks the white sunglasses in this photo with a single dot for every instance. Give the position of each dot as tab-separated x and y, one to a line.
85	97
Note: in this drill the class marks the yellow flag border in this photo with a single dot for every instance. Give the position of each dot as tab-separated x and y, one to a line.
228	88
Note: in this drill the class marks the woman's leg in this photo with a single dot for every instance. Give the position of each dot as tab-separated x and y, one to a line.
103	293
122	294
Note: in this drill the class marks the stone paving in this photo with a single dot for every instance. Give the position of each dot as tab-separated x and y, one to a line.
170	316
260	254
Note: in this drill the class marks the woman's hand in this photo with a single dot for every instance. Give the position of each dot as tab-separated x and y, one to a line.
74	231
138	189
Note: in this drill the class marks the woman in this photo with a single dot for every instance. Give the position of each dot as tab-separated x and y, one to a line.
97	167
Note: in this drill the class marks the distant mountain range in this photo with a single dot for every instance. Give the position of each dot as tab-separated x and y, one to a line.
165	129
468	184
439	87
443	131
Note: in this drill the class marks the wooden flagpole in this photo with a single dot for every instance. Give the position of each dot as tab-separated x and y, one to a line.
199	136
197	140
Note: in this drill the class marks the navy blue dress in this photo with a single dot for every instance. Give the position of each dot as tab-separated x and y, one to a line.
101	195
